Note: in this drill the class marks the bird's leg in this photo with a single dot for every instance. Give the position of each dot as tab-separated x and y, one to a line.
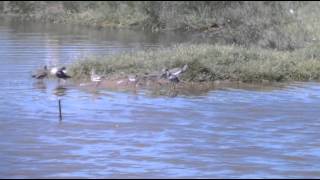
171	86
136	84
97	84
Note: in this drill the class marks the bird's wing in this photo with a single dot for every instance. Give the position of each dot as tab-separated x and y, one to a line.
177	72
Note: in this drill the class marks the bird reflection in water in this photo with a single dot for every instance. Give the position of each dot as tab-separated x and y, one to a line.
60	90
173	93
96	95
40	85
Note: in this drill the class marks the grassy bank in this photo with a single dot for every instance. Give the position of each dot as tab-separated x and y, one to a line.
274	25
241	41
209	63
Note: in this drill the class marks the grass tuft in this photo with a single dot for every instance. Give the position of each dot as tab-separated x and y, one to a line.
209	63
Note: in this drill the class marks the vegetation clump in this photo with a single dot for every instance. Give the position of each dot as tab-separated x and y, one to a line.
240	41
267	24
209	63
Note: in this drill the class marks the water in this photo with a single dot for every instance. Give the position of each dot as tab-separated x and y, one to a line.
225	133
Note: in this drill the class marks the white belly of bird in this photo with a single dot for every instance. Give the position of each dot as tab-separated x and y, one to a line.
53	71
177	72
96	78
132	79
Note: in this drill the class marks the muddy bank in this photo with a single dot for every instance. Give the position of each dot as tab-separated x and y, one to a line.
165	87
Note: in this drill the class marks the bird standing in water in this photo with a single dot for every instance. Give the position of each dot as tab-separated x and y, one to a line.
174	71
41	74
173	75
95	78
133	79
173	80
61	74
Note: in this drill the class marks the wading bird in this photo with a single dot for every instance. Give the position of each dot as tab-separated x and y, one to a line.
61	74
133	79
174	71
95	78
173	74
173	80
41	73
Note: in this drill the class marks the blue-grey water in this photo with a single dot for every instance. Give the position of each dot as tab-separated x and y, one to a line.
224	133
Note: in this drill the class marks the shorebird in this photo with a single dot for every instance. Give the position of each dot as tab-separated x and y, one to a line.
41	73
61	74
173	74
173	80
166	73
133	79
178	71
95	78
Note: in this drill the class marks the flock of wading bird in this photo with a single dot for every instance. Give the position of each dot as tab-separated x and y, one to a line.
60	73
171	75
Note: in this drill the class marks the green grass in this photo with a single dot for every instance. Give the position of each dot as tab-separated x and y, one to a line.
267	24
209	63
275	41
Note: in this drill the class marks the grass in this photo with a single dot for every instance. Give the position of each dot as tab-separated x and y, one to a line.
275	25
249	41
209	63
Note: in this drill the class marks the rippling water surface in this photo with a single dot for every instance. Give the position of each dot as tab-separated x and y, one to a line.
225	133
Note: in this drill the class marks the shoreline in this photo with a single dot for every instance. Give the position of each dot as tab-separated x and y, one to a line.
182	88
207	63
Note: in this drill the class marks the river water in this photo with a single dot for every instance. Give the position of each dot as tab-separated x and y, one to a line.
224	133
